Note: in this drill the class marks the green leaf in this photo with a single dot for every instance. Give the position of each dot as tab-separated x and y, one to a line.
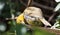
21	29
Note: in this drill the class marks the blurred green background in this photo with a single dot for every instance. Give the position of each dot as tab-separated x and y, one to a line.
14	7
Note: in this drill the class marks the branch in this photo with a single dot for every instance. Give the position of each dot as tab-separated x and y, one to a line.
51	17
42	6
11	18
57	31
38	4
29	2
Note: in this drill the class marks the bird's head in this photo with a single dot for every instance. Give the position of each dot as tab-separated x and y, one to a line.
30	10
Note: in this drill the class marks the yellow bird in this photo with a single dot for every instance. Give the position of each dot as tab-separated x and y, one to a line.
20	19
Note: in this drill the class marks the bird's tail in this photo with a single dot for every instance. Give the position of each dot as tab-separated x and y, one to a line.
45	22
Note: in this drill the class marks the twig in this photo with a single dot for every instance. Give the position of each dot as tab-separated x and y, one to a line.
29	2
38	4
48	1
57	31
42	6
51	17
11	18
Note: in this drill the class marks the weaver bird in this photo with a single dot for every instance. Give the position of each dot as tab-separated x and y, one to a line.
35	14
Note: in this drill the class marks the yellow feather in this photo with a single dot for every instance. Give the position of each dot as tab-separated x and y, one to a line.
20	18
